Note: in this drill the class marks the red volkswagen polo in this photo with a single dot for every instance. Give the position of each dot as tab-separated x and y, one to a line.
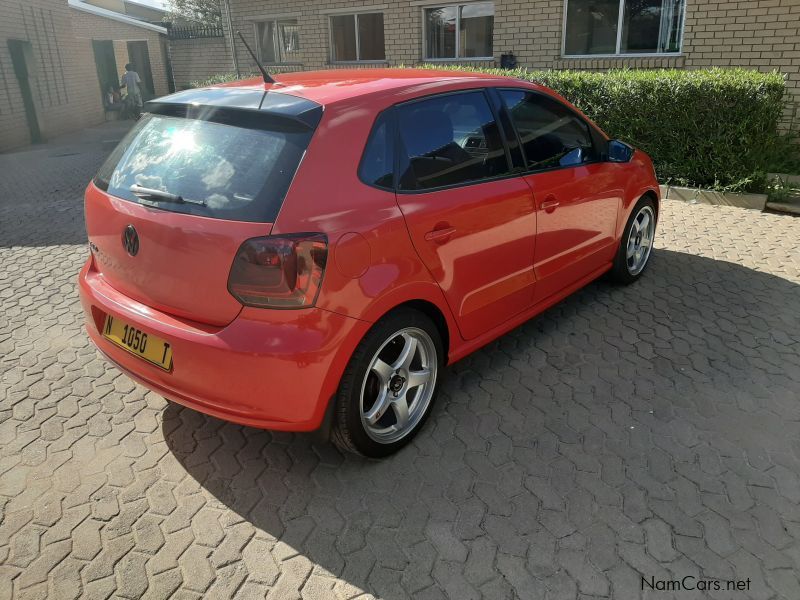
313	252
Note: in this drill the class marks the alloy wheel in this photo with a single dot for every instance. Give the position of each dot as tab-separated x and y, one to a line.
640	240
399	385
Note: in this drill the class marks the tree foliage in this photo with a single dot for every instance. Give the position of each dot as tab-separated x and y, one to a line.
207	12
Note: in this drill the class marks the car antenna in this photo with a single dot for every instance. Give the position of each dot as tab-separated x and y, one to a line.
264	74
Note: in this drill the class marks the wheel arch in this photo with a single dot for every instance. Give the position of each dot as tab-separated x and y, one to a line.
632	199
427	298
435	314
654	196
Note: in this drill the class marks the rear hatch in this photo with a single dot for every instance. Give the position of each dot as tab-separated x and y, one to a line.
199	174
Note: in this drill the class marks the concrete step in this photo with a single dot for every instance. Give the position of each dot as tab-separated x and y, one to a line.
790	206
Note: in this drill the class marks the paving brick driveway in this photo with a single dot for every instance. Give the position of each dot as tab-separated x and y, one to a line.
649	430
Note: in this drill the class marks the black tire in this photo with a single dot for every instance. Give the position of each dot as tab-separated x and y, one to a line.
620	271
349	432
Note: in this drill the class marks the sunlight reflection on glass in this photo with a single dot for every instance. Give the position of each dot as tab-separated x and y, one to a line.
181	140
225	167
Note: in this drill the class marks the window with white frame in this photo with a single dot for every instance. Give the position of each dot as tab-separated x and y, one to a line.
608	27
357	37
278	41
459	31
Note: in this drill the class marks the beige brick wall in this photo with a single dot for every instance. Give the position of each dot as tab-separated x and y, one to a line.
196	59
58	75
402	29
762	34
66	91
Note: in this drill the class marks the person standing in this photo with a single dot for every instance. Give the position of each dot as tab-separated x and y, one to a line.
132	82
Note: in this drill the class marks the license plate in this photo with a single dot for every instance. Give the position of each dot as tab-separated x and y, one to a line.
144	345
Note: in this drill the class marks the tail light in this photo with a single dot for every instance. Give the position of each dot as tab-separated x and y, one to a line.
280	271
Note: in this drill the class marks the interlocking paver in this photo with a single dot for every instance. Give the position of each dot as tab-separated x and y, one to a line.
651	430
659	540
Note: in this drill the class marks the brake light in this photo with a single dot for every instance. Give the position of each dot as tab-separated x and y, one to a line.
280	271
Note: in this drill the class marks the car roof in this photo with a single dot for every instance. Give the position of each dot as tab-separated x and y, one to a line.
331	86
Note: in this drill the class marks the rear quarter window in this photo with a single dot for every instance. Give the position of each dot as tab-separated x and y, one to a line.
377	163
220	170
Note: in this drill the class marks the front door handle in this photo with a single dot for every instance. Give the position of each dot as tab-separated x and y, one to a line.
550	204
440	235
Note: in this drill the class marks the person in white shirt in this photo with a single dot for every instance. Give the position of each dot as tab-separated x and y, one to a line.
131	81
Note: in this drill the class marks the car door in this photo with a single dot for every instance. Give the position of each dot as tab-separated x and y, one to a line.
472	224
577	194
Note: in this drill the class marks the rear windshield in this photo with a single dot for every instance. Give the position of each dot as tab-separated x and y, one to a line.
205	168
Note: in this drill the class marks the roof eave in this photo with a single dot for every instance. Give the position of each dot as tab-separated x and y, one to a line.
115	16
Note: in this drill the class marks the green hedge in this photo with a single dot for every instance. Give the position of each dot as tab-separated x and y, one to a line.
214	80
713	128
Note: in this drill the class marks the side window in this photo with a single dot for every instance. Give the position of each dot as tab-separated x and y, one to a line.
447	140
551	134
377	164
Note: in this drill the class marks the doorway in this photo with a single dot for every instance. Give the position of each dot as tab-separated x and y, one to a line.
139	55
22	61
106	64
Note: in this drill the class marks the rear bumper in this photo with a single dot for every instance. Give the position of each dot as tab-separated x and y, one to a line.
268	368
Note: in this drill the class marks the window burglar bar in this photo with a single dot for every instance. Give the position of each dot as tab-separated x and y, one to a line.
195	31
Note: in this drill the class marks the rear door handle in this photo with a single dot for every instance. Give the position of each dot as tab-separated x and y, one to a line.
440	236
550	204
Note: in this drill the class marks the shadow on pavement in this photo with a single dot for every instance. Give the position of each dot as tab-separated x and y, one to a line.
549	447
41	186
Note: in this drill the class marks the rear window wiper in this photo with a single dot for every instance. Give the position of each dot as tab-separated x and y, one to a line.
161	196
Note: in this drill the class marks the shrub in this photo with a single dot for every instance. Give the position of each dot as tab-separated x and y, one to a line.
215	79
713	128
784	154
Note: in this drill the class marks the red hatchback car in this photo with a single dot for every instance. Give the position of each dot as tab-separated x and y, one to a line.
311	253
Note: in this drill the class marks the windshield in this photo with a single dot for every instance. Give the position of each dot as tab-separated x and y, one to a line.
205	168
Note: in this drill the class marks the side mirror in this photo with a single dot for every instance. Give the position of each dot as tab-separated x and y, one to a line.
618	151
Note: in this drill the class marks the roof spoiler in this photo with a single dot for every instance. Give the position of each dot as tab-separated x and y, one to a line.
227	104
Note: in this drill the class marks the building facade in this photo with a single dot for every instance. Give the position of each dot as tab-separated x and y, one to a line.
541	34
57	57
